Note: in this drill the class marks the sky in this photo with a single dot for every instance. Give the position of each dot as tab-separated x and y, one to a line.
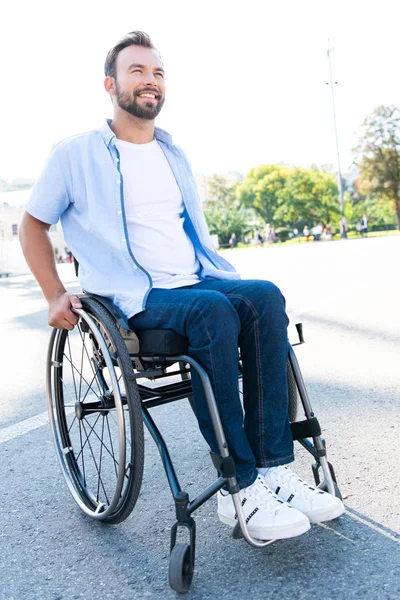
246	81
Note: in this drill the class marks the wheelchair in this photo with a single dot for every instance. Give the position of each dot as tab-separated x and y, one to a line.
102	379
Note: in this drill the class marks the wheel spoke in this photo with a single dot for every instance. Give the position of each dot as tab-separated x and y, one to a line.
101	457
82	377
84	350
87	436
70	427
95	463
83	456
112	446
88	375
70	353
101	441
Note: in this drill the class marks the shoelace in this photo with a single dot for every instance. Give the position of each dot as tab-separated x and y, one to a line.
264	496
285	477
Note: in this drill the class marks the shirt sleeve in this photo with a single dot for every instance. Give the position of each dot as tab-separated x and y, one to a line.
50	195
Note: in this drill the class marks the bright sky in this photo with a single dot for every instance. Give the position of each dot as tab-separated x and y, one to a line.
246	80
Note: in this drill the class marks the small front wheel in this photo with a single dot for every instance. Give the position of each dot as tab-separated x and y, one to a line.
180	568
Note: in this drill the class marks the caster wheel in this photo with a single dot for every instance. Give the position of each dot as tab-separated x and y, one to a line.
180	568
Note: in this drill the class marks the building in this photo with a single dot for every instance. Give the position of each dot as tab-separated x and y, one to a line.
12	260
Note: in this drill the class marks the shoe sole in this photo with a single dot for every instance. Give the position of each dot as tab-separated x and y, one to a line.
327	514
281	532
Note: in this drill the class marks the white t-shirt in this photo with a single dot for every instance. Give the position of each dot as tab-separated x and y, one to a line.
154	211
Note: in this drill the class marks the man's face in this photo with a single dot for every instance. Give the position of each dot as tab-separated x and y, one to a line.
139	82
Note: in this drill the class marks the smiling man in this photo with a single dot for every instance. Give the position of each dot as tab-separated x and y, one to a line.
132	217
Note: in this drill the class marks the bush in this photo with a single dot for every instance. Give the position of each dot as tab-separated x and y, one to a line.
283	234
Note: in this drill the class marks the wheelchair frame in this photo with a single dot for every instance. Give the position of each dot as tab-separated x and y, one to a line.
102	323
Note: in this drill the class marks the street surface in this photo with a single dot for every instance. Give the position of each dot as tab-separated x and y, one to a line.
347	294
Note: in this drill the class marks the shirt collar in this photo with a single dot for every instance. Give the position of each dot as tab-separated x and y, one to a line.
108	135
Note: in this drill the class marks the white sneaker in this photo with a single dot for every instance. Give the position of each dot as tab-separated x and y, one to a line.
317	505
267	517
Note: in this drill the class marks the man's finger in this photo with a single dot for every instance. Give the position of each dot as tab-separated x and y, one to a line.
67	325
72	318
75	302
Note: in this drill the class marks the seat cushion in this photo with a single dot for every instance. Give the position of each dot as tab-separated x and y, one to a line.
161	342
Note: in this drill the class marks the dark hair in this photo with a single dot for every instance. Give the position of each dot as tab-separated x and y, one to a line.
134	38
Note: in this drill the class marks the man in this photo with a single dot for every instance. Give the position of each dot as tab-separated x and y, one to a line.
364	226
131	215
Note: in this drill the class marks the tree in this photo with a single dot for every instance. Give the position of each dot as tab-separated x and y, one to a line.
357	204
224	214
378	157
261	190
288	196
309	196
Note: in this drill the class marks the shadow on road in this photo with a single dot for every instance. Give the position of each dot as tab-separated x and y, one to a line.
71	556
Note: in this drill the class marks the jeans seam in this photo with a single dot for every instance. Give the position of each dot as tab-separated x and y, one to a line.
259	370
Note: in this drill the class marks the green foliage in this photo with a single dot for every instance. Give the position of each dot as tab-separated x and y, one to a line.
224	222
378	158
309	196
288	196
261	190
224	214
222	191
379	212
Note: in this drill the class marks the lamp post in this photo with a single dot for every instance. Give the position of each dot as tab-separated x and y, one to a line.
335	126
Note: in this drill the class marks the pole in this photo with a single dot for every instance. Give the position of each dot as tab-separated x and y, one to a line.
336	133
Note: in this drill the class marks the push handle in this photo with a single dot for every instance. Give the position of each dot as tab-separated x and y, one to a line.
299	327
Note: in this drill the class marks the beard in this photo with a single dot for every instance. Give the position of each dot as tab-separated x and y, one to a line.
147	111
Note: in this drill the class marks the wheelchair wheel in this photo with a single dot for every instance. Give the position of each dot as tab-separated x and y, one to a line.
180	568
95	414
293	394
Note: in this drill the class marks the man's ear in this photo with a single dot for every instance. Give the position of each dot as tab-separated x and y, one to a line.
109	85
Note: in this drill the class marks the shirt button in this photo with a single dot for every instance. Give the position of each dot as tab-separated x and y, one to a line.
118	180
134	266
119	212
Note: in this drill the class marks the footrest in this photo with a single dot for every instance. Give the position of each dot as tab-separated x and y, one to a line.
309	428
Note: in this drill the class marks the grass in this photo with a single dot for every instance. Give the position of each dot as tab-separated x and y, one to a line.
352	235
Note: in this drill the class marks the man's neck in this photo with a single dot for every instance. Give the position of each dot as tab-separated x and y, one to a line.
131	129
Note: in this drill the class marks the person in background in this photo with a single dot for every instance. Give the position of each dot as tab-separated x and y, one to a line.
328	231
343	227
269	234
258	238
233	241
317	232
364	226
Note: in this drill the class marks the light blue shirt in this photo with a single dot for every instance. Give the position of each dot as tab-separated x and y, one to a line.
82	185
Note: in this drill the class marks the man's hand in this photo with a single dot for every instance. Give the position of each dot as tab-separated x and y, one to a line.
60	313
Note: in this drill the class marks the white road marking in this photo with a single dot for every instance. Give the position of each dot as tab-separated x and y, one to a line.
374	527
13	431
324	526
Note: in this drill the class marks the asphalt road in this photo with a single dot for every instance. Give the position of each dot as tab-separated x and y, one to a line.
347	294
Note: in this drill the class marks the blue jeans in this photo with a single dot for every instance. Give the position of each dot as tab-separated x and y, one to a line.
217	317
